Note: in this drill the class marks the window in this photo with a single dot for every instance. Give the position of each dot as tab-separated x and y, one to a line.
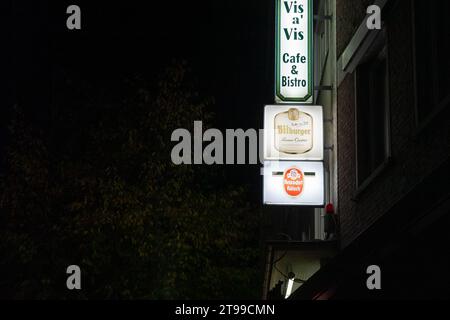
432	52
372	110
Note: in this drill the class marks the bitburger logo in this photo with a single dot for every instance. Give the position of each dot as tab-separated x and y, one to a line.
293	182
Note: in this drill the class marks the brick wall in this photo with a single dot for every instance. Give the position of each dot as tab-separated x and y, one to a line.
349	14
415	154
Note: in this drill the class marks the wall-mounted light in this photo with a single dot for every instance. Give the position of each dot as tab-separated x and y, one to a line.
290	284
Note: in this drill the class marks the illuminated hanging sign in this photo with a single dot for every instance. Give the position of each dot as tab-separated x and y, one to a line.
298	183
294	51
293	132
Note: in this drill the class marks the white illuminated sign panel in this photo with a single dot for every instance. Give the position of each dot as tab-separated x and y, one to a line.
298	183
294	51
293	132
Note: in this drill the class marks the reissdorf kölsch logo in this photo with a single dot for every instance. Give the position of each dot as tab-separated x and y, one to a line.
293	182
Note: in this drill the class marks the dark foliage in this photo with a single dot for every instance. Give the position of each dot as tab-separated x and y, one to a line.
98	189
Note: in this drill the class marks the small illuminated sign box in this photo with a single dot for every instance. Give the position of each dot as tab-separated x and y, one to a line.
294	52
293	132
298	183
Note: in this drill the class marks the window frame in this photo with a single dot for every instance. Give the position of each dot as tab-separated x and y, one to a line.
361	186
422	123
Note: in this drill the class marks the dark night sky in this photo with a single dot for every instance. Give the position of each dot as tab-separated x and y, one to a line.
227	43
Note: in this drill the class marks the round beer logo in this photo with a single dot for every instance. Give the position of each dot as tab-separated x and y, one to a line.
293	182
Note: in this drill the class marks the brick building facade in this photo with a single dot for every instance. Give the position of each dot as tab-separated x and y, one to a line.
390	129
417	148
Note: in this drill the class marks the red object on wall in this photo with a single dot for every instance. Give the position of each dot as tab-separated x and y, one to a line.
329	208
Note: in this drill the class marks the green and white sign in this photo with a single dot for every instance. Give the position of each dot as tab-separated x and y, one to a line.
294	51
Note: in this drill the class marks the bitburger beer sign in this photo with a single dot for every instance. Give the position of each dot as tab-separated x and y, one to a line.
294	51
293	132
